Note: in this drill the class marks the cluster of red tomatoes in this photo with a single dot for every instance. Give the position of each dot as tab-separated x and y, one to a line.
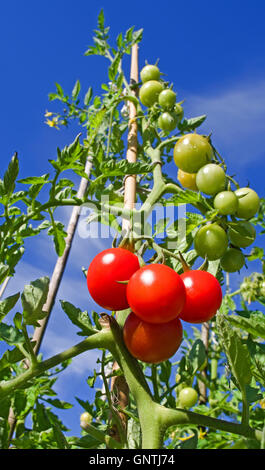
159	298
153	92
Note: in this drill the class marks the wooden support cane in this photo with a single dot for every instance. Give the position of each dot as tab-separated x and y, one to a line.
119	387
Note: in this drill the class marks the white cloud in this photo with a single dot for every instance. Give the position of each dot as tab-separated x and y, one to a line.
236	116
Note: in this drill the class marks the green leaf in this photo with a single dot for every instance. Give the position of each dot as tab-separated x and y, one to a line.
197	355
137	36
11	334
78	318
59	234
113	68
10	356
7	304
62	405
10	175
190	443
185	197
236	352
59	90
33	299
35	179
123	167
76	90
253	323
88	442
191	123
101	20
88	96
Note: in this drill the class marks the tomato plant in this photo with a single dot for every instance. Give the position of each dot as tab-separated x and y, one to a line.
211	179
158	300
211	241
156	293
191	152
104	274
203	296
149	92
149	342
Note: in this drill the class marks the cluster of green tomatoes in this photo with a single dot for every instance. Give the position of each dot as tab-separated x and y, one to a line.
153	92
231	230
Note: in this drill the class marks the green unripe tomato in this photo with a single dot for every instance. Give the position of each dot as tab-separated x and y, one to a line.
242	234
188	397
178	110
233	260
149	92
167	99
248	203
226	202
85	419
191	152
149	72
167	121
211	241
211	179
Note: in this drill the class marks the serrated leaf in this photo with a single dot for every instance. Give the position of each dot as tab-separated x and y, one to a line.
191	123
185	197
34	179
137	36
236	352
76	90
197	355
59	234
253	324
10	334
123	167
33	299
78	318
87	442
59	90
61	404
88	96
7	304
101	20
11	175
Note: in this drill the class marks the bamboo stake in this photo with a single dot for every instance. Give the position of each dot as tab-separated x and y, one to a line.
119	387
56	278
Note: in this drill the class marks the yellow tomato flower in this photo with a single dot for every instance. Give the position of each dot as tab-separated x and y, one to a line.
52	122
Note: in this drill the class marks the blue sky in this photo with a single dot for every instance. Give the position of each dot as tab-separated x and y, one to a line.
213	52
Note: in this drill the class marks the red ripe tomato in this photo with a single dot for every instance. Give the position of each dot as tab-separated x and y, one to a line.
108	267
156	293
149	342
203	296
